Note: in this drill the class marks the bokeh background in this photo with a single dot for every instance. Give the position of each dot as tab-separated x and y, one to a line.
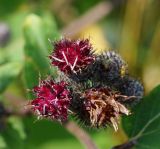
131	27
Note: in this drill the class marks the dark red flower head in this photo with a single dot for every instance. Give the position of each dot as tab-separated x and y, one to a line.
52	100
72	56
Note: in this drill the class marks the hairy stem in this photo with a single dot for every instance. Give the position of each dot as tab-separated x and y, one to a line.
91	16
128	145
80	134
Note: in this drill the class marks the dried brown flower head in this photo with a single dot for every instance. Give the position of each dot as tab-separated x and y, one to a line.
103	108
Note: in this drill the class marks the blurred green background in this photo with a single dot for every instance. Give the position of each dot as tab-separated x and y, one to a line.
131	27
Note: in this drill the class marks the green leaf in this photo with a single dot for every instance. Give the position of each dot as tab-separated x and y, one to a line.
30	75
50	28
37	30
2	143
8	72
46	134
11	63
2	57
144	123
7	7
35	45
17	124
14	52
12	135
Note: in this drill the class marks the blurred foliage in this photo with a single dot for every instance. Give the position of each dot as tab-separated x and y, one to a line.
7	7
83	5
132	28
36	33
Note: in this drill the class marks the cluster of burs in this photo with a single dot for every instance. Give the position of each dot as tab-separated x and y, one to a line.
96	89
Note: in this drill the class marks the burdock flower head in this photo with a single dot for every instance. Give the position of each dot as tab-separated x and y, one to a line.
72	56
97	89
52	100
102	107
110	66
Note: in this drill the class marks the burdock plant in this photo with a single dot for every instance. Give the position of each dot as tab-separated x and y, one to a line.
96	89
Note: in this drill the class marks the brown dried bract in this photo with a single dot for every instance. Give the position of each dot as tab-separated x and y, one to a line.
103	107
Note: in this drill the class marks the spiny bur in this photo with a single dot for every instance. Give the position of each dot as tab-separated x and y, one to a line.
97	89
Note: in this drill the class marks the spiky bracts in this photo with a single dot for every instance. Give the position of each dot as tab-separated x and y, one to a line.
131	87
98	89
115	66
72	56
52	100
109	66
102	107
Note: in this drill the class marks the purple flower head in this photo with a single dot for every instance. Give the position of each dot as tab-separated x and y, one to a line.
71	55
52	100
